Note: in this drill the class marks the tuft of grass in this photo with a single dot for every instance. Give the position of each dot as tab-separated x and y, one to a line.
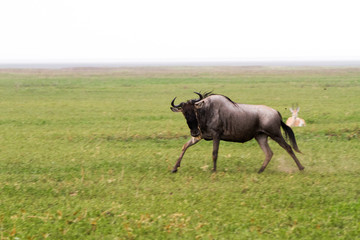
87	154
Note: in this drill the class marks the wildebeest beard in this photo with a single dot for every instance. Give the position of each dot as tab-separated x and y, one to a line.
189	113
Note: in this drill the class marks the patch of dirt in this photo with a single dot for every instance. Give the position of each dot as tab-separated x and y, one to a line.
286	164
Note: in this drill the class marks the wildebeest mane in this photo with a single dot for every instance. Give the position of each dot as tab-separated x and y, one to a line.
207	94
210	93
229	99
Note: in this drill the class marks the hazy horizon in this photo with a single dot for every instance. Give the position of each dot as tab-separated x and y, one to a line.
59	65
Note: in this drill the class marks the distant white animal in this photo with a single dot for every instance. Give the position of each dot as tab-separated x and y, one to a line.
294	120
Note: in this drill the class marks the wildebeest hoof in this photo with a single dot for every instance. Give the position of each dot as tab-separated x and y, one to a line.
174	171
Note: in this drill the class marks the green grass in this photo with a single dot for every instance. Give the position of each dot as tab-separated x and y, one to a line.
87	154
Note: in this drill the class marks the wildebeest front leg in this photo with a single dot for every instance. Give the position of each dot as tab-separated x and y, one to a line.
216	143
191	142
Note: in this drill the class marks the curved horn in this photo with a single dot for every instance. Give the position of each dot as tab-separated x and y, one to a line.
200	97
175	106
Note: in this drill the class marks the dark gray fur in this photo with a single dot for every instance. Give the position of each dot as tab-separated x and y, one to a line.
216	117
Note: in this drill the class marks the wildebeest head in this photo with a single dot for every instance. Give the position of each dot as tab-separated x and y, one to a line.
188	110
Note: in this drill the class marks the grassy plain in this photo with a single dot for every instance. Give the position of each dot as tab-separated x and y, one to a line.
87	154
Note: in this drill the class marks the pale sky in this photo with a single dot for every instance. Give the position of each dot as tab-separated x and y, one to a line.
178	30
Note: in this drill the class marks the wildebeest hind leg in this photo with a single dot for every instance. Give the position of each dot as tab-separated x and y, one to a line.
262	139
191	142
281	141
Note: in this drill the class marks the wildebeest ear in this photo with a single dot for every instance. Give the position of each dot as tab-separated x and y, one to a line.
175	109
199	105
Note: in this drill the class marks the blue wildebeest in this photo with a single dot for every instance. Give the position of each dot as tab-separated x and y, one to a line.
216	117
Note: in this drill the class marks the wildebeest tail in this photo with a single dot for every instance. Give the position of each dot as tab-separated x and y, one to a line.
289	134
